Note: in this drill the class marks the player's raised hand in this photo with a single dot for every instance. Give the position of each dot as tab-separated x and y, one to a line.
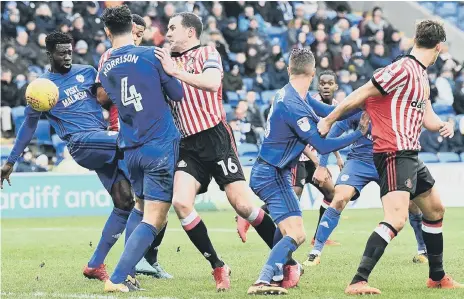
165	58
447	129
323	127
7	169
364	122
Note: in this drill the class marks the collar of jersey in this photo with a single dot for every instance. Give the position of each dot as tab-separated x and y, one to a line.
413	58
177	54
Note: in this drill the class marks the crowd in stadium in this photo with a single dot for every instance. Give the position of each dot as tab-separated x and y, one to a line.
253	39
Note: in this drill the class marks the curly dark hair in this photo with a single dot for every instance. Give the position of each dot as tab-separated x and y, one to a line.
56	38
191	20
429	33
138	20
118	19
301	61
329	73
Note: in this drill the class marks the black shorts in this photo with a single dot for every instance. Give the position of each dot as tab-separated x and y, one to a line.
211	154
302	174
402	171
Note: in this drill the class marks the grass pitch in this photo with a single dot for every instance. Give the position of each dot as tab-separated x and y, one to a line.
43	258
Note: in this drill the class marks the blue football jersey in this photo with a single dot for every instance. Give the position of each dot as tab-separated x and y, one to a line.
135	80
361	149
291	125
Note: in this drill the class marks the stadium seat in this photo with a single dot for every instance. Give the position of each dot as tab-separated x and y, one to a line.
442	109
17	114
428	157
227	108
429	5
248	82
232	56
5	152
262	108
247	149
247	160
447	8
462	157
232	96
267	95
452	19
448	157
42	133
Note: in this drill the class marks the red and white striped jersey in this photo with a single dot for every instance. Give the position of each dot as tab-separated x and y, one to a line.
398	113
318	97
199	110
114	117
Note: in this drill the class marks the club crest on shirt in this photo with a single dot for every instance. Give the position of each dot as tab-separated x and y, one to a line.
189	66
303	123
279	96
344	177
80	78
408	183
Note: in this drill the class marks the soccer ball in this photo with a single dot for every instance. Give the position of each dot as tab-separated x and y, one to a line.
42	94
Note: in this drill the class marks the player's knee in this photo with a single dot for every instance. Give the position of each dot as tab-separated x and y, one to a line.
182	207
299	237
399	222
242	208
339	203
121	194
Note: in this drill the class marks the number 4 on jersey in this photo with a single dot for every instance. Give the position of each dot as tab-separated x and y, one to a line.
133	97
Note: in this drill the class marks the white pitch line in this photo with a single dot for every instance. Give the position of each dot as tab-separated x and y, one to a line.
82	229
73	296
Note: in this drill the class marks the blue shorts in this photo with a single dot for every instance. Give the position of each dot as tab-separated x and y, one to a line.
98	151
274	187
357	174
151	169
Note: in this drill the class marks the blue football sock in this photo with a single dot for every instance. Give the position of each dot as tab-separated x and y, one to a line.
135	218
277	237
329	222
111	232
138	243
277	259
416	222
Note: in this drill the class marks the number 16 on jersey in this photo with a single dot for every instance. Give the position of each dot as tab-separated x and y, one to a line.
132	98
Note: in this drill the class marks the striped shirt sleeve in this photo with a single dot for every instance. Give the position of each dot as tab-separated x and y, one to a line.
390	77
211	59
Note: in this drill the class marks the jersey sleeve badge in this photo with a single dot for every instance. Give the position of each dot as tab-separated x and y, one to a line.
304	124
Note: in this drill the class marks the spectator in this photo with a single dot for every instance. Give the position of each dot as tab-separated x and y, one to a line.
233	80
320	17
278	75
302	41
31	76
335	44
245	18
432	142
26	10
65	16
284	12
445	91
394	45
268	109
99	51
243	130
9	100
261	81
432	74
42	163
361	67
377	23
340	95
343	60
366	51
354	40
354	82
253	115
241	60
92	19
10	25
276	54
458	103
379	58
344	82
253	58
233	36
217	41
169	11
80	32
31	30
82	55
218	14
294	28
27	164
42	58
211	25
13	62
456	143
343	27
44	19
342	12
27	51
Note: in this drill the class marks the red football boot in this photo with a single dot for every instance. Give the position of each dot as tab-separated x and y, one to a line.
292	274
96	273
242	227
222	277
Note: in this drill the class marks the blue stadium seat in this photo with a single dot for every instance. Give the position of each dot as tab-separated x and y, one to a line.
248	82
232	56
267	95
232	96
461	12
452	19
447	8
448	157
428	157
247	160
462	157
247	149
227	108
442	109
42	133
445	117
429	5
17	114
261	110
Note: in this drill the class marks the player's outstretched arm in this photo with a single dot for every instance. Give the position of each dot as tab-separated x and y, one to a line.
433	123
209	80
338	129
323	110
172	87
25	134
311	155
355	100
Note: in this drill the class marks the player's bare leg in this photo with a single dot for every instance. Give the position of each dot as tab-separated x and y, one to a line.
415	219
186	188
395	207
154	219
330	219
123	201
292	229
431	206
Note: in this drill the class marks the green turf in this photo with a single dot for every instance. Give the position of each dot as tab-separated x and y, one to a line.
64	252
